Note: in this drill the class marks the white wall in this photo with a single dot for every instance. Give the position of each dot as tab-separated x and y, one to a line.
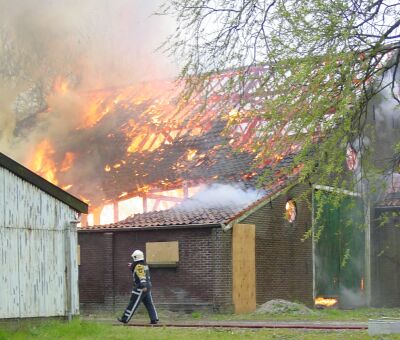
34	231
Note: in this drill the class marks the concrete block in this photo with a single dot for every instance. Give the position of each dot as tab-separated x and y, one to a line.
384	326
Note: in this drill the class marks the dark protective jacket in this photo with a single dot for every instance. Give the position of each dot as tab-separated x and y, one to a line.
141	275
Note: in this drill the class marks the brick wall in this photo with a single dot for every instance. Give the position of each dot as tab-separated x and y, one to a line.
223	270
283	262
203	277
91	269
199	281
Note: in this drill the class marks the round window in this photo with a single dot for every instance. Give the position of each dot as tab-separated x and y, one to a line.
351	158
291	211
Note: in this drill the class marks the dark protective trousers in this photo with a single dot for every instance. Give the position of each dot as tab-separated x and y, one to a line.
139	296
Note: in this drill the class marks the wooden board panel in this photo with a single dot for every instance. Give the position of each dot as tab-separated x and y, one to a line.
2	198
74	271
9	273
243	268
162	252
33	230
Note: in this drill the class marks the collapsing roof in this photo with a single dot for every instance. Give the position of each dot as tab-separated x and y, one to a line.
137	138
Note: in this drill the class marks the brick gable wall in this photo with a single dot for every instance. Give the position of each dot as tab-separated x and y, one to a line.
283	262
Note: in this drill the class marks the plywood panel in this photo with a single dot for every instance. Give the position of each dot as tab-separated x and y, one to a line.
243	268
162	252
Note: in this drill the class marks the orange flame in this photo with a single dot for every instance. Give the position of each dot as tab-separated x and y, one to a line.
67	161
327	302
191	153
42	163
61	85
69	186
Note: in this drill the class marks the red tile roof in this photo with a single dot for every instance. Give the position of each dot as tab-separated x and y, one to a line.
175	217
199	216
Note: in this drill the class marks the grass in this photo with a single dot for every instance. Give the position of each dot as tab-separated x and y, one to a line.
97	327
361	314
79	329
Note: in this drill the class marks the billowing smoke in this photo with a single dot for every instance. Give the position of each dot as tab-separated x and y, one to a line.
351	298
386	116
81	45
379	138
217	195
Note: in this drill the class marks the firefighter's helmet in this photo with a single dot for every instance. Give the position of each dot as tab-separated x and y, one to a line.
137	255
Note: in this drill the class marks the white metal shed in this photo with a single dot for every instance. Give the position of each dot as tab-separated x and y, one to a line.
38	245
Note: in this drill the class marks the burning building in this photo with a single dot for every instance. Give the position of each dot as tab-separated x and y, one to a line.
147	152
137	151
336	267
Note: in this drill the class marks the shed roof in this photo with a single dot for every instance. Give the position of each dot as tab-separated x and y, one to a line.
34	179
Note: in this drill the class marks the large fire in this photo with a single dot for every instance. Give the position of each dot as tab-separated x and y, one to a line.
121	157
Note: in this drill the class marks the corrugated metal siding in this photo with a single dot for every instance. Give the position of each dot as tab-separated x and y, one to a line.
34	234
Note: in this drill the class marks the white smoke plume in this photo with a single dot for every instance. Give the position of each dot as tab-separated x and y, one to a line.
217	195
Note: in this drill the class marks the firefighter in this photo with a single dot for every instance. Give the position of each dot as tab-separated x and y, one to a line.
141	291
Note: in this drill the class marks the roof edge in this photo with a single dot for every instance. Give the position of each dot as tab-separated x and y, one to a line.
41	183
258	205
175	226
387	207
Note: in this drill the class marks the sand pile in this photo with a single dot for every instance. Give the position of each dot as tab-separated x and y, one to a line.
279	306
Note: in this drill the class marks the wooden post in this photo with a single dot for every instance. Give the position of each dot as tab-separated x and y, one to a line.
84	220
96	215
116	212
243	268
144	200
185	189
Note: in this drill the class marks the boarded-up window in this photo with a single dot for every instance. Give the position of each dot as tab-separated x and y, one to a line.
162	254
243	268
